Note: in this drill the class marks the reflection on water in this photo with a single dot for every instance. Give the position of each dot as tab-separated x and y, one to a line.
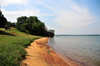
85	50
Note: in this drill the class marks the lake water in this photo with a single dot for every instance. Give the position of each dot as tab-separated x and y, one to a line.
84	50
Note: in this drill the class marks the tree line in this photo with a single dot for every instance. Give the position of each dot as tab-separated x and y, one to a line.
3	20
30	25
33	26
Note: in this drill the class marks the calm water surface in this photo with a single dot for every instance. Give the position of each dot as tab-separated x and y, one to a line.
85	50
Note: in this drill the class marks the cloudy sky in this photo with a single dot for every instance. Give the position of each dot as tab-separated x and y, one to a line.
64	16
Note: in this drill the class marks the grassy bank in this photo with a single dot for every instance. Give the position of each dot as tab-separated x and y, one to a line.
12	46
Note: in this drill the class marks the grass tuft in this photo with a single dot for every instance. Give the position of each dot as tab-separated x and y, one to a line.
12	46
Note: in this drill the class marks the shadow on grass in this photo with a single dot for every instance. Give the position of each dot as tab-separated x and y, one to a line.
5	33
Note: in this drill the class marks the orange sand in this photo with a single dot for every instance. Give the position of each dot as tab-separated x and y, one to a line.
39	54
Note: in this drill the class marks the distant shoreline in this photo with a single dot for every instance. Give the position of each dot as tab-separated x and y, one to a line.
80	35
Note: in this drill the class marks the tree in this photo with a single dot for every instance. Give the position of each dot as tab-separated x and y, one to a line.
20	20
52	31
23	27
3	20
33	26
31	20
13	25
38	28
10	24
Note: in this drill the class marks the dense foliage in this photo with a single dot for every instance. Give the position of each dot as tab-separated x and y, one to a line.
10	24
3	20
33	26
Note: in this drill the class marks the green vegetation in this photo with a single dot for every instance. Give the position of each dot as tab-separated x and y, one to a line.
30	25
3	20
12	46
13	42
33	26
8	25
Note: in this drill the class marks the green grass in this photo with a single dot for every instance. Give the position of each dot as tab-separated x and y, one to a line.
12	46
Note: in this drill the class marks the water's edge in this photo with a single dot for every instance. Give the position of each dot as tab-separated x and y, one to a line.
65	58
84	50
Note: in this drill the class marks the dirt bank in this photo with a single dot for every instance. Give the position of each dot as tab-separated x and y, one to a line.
40	54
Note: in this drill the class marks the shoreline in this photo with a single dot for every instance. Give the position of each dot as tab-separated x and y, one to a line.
66	59
39	53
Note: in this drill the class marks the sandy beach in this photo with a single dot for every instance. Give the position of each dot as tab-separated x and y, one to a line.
40	54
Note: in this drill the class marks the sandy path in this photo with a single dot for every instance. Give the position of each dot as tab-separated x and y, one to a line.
39	54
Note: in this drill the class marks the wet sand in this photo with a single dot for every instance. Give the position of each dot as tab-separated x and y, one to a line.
40	54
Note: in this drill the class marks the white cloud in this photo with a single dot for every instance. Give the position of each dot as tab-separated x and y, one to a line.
7	2
12	15
76	17
70	16
46	14
72	19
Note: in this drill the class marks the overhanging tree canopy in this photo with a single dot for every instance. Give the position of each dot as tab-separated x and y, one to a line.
3	20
